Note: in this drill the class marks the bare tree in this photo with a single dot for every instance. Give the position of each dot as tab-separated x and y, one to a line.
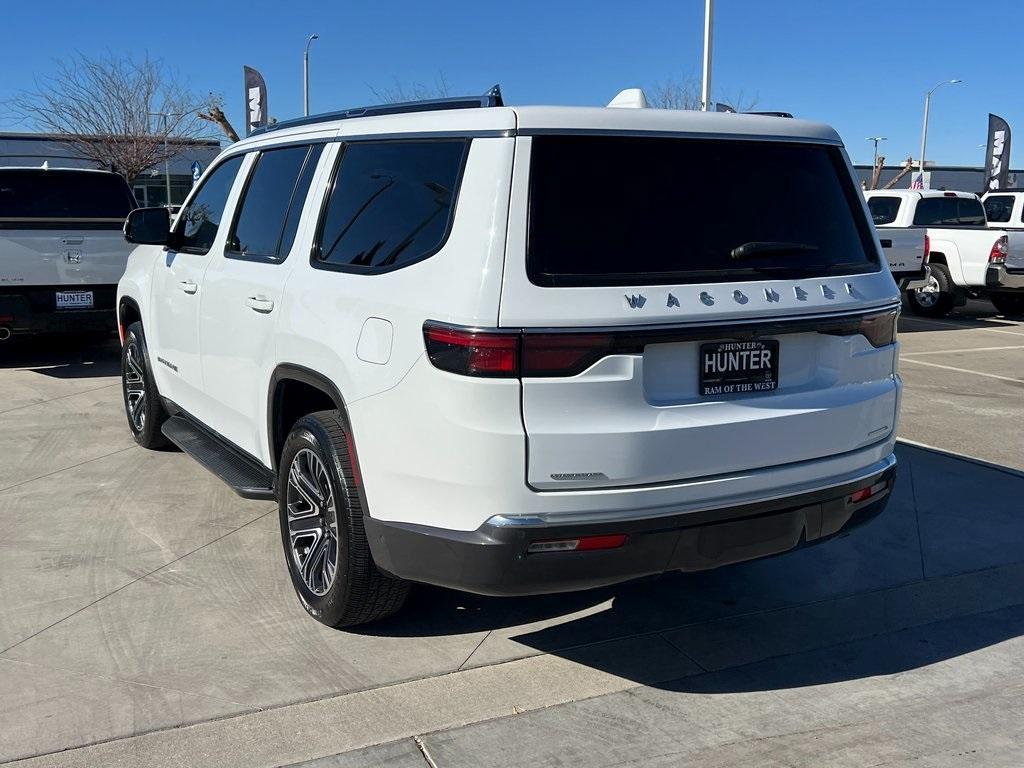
685	94
106	109
908	166
399	91
213	112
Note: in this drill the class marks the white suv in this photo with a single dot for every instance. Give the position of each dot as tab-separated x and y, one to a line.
516	350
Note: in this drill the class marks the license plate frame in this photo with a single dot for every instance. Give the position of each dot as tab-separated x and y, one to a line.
738	367
74	300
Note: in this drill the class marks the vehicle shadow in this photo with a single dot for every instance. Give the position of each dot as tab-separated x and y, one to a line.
938	575
68	356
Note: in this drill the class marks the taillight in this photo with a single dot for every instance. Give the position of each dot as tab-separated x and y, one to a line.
866	493
927	248
879	329
473	352
999	250
476	352
581	544
563	354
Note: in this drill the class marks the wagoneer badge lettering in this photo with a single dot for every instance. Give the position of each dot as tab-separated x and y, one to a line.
636	301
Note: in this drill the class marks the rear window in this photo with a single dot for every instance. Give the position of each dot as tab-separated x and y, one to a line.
610	210
883	209
391	204
949	212
27	194
998	208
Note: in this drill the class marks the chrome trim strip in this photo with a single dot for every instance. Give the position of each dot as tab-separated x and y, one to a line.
617	516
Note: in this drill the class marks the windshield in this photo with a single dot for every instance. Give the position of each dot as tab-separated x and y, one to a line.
608	210
28	193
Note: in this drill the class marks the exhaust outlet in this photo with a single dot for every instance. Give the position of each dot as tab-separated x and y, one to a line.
5	333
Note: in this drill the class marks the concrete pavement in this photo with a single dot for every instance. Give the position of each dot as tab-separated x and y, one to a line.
146	617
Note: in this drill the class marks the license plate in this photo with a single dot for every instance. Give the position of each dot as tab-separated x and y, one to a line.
733	367
74	299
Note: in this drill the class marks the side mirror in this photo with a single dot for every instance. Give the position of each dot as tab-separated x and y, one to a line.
148	226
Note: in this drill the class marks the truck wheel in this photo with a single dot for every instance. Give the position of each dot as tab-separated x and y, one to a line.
936	298
142	403
321	517
1008	304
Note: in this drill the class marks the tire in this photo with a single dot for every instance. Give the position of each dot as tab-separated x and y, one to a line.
142	404
936	300
316	476
1008	304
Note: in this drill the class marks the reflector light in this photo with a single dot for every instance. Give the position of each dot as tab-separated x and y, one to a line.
866	493
563	354
879	329
927	248
582	544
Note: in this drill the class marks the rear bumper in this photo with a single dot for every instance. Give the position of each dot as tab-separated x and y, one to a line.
913	280
493	560
999	278
33	309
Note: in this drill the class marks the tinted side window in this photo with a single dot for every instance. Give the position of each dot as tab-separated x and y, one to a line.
949	212
884	209
272	202
998	208
199	221
391	204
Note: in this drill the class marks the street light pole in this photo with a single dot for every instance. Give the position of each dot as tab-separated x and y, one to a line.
709	23
876	139
924	129
305	75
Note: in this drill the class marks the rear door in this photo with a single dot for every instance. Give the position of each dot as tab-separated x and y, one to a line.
60	235
680	324
243	290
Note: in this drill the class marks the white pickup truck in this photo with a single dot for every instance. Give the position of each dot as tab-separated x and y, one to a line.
61	249
959	243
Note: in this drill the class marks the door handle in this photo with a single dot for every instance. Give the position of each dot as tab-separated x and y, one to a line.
188	286
260	304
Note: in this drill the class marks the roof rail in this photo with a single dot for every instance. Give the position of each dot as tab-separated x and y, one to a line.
771	114
490	99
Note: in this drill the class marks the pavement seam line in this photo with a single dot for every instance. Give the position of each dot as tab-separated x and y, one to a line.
917	517
962	370
473	652
135	581
424	751
54	399
682	651
65	469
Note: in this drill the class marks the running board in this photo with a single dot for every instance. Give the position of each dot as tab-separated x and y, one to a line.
244	475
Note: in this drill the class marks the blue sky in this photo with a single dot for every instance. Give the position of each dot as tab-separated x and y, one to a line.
862	66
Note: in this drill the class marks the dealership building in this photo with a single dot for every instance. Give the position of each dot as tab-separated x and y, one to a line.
150	188
960	178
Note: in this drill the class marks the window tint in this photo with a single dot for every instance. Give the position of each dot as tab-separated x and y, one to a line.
391	204
884	209
998	208
199	221
610	210
949	212
272	202
39	194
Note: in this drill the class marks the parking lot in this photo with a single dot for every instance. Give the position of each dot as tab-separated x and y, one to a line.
146	617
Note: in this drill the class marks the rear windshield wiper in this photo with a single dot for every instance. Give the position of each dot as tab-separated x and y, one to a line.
759	247
839	267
